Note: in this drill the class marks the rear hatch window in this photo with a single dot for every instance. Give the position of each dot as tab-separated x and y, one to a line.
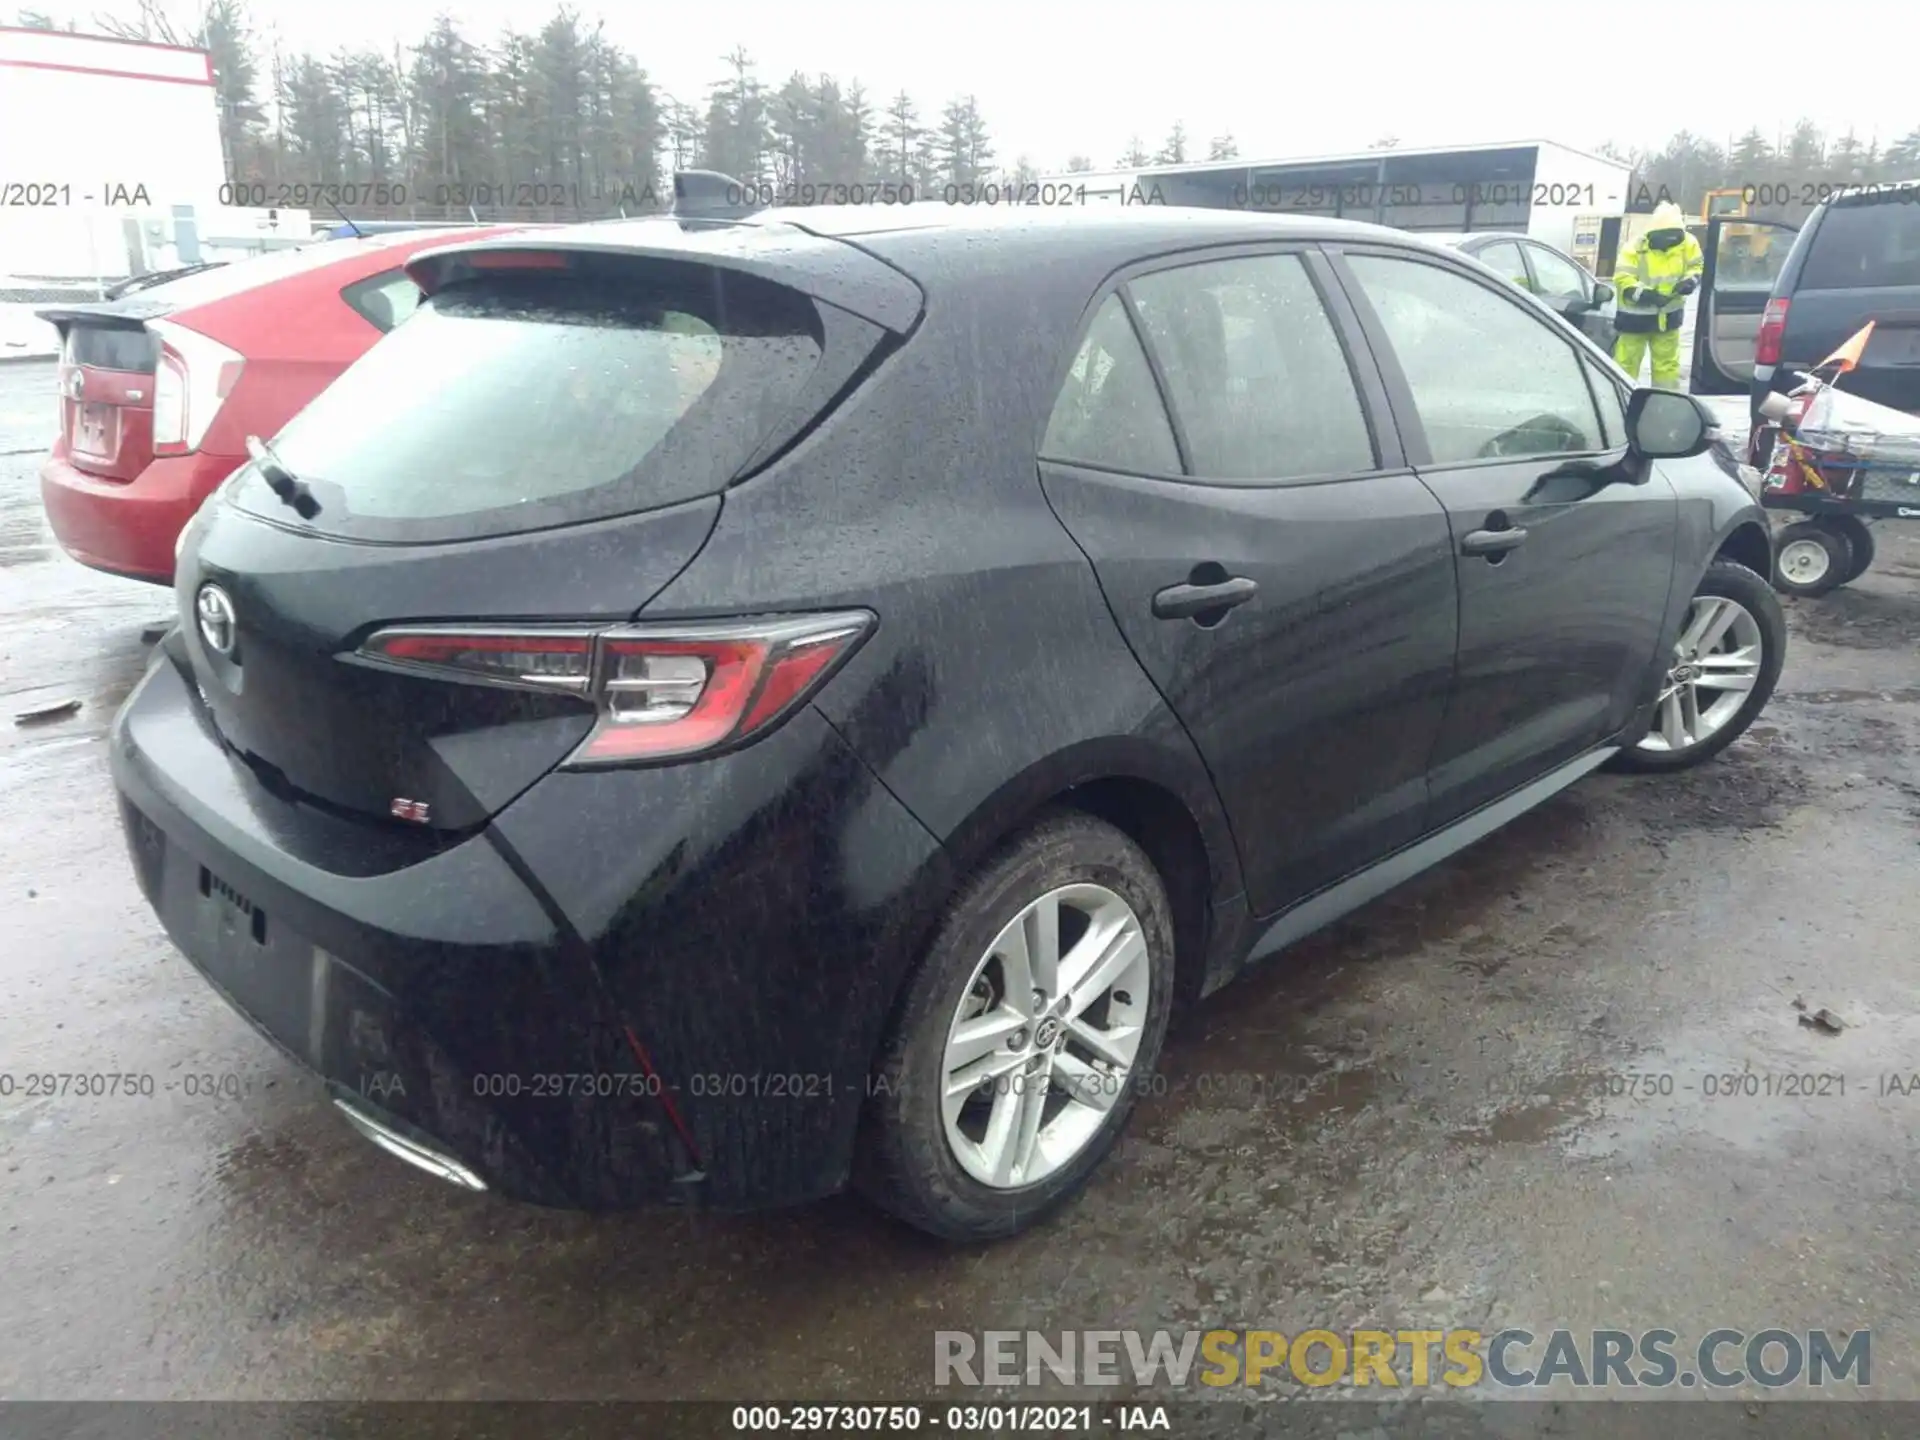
106	386
131	351
1867	244
527	399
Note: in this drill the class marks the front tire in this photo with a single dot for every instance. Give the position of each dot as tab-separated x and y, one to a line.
1023	1037
1810	559
1726	662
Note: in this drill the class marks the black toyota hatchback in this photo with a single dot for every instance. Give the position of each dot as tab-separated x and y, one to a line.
712	711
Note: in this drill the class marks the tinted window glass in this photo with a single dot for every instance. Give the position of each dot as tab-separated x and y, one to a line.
1503	258
110	348
1109	411
1256	371
1489	378
1613	409
530	401
1555	277
1859	245
384	299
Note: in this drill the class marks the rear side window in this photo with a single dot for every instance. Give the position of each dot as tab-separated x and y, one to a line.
384	300
1255	369
1858	246
534	399
1504	259
1109	412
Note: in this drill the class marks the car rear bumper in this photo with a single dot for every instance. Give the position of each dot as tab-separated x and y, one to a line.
581	1005
128	527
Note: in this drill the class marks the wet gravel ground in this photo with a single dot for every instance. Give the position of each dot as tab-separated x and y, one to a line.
1421	1118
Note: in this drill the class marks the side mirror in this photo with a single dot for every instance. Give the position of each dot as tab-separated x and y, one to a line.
1602	295
1669	425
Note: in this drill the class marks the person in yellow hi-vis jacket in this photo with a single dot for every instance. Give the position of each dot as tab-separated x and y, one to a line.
1653	279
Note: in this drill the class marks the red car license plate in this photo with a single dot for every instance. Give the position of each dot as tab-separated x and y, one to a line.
95	433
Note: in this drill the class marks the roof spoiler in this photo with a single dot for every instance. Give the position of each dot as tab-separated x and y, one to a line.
709	195
131	313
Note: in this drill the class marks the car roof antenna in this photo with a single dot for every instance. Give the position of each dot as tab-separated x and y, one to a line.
343	215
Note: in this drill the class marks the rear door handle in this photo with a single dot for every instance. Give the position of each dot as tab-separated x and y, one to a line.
1492	542
1183	602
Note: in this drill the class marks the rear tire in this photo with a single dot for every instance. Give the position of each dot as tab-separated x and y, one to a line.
928	1152
1859	537
1734	636
1810	559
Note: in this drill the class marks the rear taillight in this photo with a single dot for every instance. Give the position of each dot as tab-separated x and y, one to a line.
661	691
1773	327
190	384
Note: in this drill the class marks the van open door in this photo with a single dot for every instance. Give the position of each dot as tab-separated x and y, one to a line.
1743	259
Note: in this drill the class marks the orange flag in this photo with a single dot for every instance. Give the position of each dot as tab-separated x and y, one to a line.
1848	355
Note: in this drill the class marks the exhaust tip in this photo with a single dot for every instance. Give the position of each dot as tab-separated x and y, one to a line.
422	1157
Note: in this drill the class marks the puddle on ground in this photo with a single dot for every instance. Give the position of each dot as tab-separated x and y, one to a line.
1856	619
1707	1087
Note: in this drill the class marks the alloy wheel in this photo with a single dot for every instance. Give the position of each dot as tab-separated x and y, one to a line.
1043	1041
1716	664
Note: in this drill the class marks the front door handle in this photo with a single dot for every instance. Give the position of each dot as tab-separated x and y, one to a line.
1183	602
1492	542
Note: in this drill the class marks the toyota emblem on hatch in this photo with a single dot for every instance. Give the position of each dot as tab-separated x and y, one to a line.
214	610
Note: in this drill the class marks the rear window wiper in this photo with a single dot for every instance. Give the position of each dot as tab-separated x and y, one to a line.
282	481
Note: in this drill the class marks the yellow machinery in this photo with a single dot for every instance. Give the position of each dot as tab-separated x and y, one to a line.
1743	248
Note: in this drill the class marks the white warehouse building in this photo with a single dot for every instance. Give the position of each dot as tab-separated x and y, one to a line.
93	131
111	165
1547	190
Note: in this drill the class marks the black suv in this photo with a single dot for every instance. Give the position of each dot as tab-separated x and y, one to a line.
712	710
1777	302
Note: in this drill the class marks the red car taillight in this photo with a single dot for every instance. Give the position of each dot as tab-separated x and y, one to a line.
1773	325
662	691
192	381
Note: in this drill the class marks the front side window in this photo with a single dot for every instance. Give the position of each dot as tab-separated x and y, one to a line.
1490	379
1555	278
1613	410
1255	370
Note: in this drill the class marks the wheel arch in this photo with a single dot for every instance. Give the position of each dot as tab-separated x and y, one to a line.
1750	543
1139	789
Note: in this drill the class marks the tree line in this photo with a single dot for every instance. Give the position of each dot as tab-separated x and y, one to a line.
562	122
561	116
1781	178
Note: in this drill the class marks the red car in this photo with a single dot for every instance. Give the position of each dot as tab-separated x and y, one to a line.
160	388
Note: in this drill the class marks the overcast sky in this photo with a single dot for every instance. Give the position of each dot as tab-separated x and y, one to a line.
1060	77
